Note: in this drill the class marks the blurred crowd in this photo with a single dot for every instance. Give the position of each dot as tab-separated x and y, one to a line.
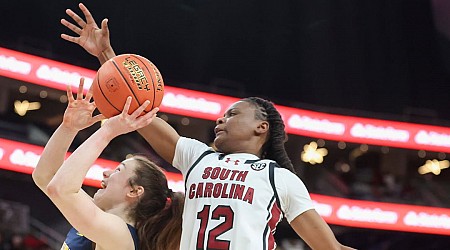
17	241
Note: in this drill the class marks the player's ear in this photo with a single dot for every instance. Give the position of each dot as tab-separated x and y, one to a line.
136	191
263	127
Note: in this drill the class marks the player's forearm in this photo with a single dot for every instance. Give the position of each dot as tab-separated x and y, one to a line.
70	176
53	156
162	138
106	55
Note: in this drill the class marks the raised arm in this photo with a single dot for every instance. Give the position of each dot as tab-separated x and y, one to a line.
316	232
77	116
96	41
93	39
108	230
162	138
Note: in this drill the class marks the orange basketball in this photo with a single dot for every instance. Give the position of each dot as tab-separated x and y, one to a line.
127	75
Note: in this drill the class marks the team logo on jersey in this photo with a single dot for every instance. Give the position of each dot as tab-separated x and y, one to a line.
258	166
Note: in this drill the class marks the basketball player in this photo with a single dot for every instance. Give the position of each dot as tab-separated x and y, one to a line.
133	210
235	195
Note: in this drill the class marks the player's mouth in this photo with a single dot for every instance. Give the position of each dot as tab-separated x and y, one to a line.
217	131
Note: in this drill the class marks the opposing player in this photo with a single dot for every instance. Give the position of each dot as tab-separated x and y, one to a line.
134	209
235	196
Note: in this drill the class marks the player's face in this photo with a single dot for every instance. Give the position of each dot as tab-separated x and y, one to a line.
235	129
115	185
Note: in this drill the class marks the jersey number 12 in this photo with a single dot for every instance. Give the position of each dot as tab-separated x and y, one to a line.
219	212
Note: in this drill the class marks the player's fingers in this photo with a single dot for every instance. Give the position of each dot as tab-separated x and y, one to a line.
147	118
87	14
76	18
80	89
105	29
141	109
126	107
154	111
71	26
150	115
89	94
69	38
98	118
69	93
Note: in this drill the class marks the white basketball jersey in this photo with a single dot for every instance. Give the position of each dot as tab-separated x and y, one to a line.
234	201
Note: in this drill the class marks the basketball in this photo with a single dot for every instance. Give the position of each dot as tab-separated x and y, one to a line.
127	75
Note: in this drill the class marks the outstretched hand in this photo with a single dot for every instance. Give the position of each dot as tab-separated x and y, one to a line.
124	123
78	114
93	39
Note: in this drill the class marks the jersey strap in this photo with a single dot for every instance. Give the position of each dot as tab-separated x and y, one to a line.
207	152
272	167
251	161
134	235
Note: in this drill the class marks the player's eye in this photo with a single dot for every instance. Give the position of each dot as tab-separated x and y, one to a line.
230	113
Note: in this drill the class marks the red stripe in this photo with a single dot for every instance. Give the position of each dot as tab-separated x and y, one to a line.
275	213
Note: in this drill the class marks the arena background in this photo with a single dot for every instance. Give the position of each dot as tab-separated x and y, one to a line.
383	59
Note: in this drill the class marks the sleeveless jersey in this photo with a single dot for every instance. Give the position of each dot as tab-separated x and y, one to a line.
76	241
235	201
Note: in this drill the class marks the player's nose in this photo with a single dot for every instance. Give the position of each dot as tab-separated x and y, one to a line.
107	173
220	120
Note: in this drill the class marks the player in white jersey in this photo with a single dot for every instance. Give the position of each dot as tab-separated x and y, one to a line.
239	198
236	196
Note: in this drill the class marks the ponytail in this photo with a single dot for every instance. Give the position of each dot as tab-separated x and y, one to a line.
163	230
158	213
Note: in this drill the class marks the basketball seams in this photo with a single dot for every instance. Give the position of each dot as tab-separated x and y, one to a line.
106	98
128	84
127	75
151	76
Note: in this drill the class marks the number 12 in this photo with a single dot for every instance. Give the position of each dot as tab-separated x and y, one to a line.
219	212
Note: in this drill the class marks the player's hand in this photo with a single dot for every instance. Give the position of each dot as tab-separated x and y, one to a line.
93	39
124	122
78	114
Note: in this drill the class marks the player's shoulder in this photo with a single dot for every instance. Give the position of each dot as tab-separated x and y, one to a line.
186	143
191	141
279	170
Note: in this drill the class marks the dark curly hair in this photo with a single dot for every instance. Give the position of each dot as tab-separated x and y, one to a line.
273	148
